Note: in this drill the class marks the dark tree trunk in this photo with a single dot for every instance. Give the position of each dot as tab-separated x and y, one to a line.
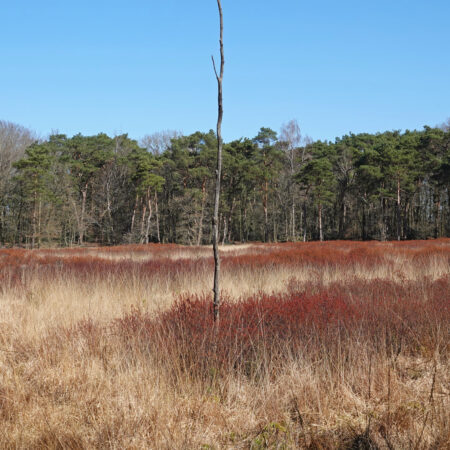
398	212
158	235
83	213
149	217
202	214
266	216
34	221
215	221
304	221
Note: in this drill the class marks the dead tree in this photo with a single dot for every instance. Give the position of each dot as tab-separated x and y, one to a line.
215	220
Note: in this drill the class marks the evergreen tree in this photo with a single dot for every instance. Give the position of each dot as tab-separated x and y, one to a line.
318	178
268	161
88	189
84	156
34	179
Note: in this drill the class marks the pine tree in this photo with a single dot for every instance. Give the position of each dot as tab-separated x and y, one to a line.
34	178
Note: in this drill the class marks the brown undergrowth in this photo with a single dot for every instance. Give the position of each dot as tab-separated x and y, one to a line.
334	345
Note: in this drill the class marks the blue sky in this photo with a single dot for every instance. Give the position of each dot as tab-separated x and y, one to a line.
142	66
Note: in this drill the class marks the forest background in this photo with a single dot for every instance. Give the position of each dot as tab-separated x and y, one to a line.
62	191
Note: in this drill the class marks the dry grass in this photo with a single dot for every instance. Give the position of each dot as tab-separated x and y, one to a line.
68	379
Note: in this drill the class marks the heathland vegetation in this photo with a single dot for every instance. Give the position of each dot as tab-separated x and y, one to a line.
319	345
62	190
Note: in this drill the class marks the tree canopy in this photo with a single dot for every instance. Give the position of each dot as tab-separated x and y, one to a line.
110	190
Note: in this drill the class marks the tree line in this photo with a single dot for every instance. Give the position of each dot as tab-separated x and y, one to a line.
275	187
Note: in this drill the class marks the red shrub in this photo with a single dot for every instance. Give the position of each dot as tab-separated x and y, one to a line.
260	332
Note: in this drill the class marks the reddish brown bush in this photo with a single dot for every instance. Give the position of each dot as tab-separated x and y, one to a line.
261	332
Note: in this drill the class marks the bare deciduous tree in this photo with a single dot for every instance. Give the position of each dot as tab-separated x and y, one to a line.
14	139
215	221
291	136
159	142
445	125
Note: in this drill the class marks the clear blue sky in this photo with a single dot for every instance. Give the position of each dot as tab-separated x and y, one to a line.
141	66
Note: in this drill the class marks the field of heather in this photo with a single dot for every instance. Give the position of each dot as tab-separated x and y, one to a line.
320	345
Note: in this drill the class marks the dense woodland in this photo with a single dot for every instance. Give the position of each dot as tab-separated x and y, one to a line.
275	187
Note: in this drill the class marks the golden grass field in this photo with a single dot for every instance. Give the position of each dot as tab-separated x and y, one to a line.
322	345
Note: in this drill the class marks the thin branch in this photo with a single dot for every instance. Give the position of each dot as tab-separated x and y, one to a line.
214	66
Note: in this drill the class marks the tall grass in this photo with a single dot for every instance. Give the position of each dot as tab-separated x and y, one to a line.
333	345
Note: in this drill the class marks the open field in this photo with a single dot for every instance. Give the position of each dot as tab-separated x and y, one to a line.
320	345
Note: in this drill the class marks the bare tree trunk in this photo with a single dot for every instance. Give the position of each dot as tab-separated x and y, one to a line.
275	229
225	229
266	216
241	235
437	208
301	222
202	214
274	222
39	223
398	211
215	221
245	235
364	220
158	235
291	159
110	226
150	213
304	221
290	133
83	211
341	215
383	234
286	227
133	217
293	219
230	218
437	232
144	213
345	217
34	221
409	218
320	223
